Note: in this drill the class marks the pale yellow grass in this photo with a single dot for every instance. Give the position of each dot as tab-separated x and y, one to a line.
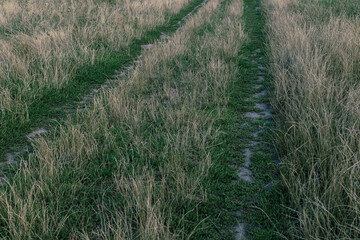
315	59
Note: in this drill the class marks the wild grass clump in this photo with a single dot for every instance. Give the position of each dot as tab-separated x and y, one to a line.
132	164
314	48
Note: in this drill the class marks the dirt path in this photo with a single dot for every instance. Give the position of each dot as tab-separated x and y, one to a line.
257	175
262	111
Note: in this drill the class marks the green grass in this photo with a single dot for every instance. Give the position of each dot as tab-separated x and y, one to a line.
316	95
261	207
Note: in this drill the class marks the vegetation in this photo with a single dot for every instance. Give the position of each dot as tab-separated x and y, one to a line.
53	53
315	56
156	154
134	163
259	202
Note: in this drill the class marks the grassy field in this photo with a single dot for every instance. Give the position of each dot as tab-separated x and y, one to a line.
54	53
315	63
160	152
135	163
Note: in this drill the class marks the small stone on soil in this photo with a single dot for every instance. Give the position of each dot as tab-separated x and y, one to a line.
261	78
240	231
261	106
247	154
260	94
129	67
245	174
256	134
252	115
146	46
36	132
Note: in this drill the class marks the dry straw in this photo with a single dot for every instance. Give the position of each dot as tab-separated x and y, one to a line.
315	58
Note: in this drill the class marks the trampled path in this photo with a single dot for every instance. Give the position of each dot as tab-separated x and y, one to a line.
262	111
256	172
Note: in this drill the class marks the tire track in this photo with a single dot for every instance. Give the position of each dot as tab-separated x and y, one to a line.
260	111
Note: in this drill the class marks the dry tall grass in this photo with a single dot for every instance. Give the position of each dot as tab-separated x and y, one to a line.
315	55
43	43
153	133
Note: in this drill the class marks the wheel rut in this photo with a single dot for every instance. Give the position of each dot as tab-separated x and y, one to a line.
259	111
262	111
